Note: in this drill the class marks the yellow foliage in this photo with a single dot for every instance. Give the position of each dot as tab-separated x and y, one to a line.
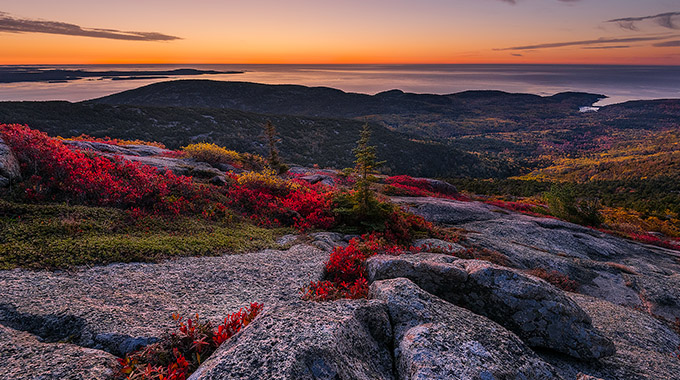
266	178
212	153
631	221
108	140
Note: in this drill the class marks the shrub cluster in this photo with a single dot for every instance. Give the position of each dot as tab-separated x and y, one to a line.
215	154
564	204
54	172
178	355
268	200
345	270
403	185
556	278
111	141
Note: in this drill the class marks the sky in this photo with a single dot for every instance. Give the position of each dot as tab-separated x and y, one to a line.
340	31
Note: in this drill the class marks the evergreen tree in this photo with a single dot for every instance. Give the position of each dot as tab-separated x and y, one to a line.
274	160
365	167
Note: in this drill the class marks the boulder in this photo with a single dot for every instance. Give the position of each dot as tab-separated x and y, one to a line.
327	241
9	166
115	305
343	340
645	347
447	211
319	178
218	180
227	168
539	313
100	147
436	245
25	357
286	239
146	150
434	339
618	270
431	271
440	186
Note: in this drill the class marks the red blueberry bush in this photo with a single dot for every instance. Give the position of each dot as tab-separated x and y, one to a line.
556	278
178	355
110	141
403	185
53	171
345	269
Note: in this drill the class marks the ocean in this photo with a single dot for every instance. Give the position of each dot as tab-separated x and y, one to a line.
619	83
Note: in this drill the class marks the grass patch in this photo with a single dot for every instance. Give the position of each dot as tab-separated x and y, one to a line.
64	236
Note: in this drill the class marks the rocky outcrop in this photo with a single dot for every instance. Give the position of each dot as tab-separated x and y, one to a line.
542	315
536	311
645	347
440	186
25	357
621	271
115	305
319	178
437	340
9	166
306	340
437	245
153	156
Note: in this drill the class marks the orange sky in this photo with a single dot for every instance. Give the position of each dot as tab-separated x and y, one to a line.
348	31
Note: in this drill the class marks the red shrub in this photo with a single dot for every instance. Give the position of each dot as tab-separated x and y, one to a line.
110	141
556	278
304	208
179	354
345	269
403	185
493	257
56	173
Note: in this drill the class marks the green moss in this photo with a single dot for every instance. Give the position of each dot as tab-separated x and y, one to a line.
63	236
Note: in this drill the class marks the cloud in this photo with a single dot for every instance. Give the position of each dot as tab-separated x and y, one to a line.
517	55
599	41
11	24
665	20
668	43
515	1
606	47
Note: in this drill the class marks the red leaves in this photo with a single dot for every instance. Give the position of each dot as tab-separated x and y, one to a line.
304	207
345	269
403	185
177	355
57	173
556	278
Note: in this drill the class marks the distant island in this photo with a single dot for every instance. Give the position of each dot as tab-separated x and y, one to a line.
36	74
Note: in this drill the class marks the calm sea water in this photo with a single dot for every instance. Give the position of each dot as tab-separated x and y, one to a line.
620	83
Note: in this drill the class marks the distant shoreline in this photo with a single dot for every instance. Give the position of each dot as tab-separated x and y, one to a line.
31	74
620	83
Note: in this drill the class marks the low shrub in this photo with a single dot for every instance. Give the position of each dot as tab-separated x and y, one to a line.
493	257
110	141
344	271
556	278
53	172
268	200
215	154
403	185
564	204
178	355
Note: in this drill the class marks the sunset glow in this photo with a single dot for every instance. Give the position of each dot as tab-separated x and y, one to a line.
306	31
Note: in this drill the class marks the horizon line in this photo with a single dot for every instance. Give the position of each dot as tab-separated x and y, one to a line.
340	64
